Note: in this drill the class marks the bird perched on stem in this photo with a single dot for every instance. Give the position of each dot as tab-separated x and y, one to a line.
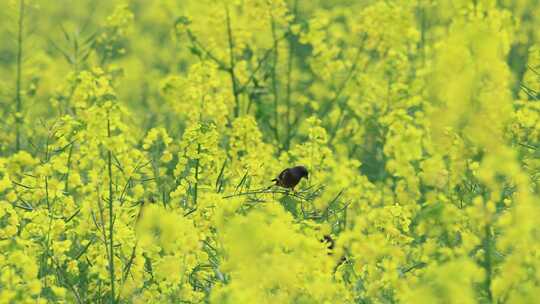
290	177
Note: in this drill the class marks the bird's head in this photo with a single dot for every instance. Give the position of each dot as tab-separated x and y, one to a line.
303	171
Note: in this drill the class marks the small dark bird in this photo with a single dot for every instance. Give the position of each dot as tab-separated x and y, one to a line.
290	177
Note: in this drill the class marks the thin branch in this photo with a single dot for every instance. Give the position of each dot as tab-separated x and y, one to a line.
73	216
533	69
127	268
530	92
274	191
413	267
199	45
343	85
62	274
85	247
528	146
26	208
21	185
257	68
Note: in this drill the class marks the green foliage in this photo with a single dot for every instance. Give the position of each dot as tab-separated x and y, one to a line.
140	138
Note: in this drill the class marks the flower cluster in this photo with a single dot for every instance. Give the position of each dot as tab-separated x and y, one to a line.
140	140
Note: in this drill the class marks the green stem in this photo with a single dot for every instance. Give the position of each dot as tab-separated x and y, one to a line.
344	83
47	195
423	26
288	98
288	137
111	219
274	78
196	189
66	185
232	63
488	262
18	97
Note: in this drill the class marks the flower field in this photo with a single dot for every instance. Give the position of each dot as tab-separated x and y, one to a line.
139	140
